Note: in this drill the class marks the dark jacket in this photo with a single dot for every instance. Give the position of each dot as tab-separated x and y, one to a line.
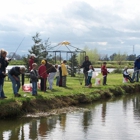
34	75
3	65
86	65
15	71
50	68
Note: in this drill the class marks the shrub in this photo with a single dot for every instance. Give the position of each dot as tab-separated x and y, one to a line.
117	70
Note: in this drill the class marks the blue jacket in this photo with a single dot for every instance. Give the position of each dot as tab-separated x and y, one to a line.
137	63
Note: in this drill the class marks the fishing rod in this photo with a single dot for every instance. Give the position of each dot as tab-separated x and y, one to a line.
16	50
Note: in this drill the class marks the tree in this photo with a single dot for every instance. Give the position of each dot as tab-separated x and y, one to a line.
39	49
92	54
104	57
119	58
73	62
112	56
131	57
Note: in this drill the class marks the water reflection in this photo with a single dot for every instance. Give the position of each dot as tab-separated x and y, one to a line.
103	111
87	120
62	119
115	120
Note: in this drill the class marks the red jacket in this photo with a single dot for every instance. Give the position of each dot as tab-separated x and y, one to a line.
42	71
31	61
104	70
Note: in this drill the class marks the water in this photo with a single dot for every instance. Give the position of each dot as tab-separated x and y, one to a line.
109	69
117	119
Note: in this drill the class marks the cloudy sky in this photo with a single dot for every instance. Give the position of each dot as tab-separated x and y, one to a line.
110	26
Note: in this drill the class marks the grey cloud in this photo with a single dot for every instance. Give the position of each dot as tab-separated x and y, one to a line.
102	26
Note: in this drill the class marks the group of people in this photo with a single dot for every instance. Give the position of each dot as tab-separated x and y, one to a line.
46	72
13	74
88	69
135	76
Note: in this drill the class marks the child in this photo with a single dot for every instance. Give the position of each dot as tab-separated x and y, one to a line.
90	71
127	75
57	75
104	73
34	79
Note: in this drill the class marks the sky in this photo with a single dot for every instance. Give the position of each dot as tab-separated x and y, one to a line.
110	26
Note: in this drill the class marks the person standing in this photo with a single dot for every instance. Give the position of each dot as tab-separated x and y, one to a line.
64	73
136	70
60	76
31	61
57	75
104	73
3	64
14	75
51	71
85	67
91	69
34	78
43	75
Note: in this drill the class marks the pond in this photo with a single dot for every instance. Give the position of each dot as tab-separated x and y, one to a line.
117	119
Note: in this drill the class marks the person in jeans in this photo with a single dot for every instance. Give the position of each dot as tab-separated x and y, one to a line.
136	70
57	75
34	79
85	67
51	71
14	76
91	70
104	73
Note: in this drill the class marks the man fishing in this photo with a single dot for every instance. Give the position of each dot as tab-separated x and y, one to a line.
136	70
85	67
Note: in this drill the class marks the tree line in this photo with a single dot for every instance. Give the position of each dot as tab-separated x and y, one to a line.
40	49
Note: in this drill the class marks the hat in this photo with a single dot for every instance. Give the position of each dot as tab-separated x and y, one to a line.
34	64
43	62
125	67
33	55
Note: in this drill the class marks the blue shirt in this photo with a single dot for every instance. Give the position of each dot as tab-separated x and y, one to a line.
90	72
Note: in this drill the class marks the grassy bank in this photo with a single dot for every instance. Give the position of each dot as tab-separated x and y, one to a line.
59	97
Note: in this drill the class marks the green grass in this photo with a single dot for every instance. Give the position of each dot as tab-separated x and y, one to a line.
73	87
74	94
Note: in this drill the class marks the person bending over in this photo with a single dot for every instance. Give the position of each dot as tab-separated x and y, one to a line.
14	75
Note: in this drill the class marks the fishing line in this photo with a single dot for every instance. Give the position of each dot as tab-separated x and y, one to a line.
17	49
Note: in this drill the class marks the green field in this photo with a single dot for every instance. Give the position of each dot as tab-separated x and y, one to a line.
74	94
73	86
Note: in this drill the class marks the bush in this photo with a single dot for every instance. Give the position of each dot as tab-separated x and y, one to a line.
117	70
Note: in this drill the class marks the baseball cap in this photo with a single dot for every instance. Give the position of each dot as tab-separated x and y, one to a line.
33	55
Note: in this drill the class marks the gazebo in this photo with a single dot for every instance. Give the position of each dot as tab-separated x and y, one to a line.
66	50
